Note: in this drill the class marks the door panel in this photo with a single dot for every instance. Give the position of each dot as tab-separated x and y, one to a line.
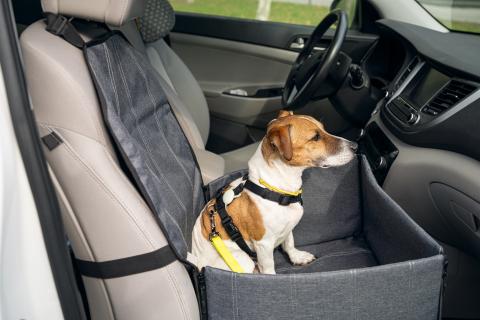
227	54
222	65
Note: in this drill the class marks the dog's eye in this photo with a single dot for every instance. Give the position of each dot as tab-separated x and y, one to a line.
316	137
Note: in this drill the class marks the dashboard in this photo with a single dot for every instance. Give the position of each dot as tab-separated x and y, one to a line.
423	139
432	86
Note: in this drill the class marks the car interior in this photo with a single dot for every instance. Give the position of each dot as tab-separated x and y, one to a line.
408	94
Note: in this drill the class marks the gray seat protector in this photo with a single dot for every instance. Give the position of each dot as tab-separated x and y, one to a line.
148	135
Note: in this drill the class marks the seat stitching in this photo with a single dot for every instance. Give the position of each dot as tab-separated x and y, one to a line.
55	126
71	214
124	12
174	281
110	72
109	157
92	173
177	225
233	295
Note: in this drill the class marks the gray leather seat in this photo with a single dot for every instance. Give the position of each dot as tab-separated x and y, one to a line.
104	215
155	25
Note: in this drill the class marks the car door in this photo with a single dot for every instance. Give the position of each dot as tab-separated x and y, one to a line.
242	63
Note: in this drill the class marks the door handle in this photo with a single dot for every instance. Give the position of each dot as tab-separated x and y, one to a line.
299	44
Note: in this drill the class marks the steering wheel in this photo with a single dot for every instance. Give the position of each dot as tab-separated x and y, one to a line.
314	70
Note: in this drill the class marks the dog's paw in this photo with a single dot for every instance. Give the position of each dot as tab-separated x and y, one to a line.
301	258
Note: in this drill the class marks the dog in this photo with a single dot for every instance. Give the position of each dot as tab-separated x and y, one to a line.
292	144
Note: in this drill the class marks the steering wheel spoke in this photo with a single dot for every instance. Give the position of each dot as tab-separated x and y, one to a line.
311	68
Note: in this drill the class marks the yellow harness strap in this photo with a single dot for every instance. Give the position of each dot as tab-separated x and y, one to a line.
226	255
278	190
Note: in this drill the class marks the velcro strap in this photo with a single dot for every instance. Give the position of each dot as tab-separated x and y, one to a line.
52	140
127	266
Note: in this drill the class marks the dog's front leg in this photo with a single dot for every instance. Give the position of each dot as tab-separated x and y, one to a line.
264	250
296	256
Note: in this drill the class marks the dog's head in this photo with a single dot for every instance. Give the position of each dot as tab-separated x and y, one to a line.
302	141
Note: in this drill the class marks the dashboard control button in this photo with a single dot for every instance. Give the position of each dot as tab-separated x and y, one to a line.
413	118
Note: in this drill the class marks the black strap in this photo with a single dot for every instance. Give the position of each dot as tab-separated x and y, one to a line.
52	140
63	27
127	266
280	198
228	224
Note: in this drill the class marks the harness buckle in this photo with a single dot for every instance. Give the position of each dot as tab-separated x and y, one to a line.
284	200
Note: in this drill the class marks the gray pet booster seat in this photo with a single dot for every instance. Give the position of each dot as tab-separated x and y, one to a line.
373	261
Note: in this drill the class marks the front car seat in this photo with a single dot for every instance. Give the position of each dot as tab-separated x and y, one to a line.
104	215
156	23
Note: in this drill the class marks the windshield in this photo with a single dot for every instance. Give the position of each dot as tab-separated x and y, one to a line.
456	15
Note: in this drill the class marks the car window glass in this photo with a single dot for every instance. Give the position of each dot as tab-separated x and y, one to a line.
303	12
458	15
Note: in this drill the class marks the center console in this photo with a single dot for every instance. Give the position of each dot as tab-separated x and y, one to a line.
425	107
429	108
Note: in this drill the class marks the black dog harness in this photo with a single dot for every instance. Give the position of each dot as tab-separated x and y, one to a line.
226	196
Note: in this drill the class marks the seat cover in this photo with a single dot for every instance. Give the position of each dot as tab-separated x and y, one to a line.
148	135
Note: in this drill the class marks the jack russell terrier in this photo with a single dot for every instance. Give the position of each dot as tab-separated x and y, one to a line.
262	210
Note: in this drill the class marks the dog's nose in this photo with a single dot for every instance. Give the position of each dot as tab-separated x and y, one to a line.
353	146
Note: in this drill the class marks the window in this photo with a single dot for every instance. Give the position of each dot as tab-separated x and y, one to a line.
456	15
304	12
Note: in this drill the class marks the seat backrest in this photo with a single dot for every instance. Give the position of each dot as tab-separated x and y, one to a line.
105	216
156	23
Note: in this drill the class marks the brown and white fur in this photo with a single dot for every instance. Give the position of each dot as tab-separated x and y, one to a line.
292	144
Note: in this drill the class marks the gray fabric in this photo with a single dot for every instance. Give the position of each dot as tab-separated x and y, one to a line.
381	220
376	264
149	137
331	204
349	253
157	21
407	290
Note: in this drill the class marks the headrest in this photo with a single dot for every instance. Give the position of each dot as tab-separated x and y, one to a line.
112	12
157	21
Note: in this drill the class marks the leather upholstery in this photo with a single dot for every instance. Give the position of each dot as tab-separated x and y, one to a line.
112	12
237	159
104	215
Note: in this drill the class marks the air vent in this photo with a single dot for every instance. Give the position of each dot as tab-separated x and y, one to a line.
407	72
454	92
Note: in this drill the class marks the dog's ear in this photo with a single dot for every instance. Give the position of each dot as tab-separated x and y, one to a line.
284	113
278	138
